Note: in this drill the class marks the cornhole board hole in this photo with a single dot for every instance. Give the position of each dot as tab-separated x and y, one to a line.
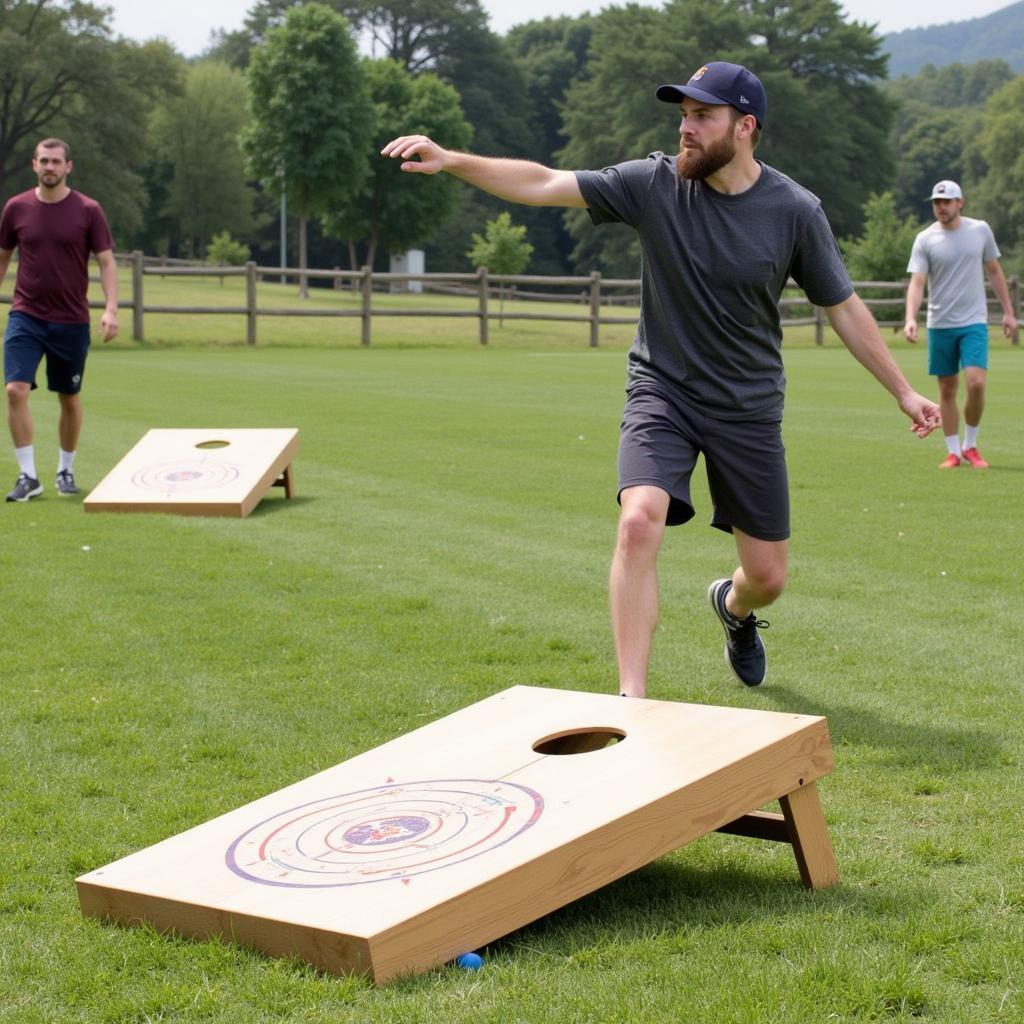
458	833
199	472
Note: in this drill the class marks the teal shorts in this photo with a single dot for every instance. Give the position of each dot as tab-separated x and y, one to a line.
950	348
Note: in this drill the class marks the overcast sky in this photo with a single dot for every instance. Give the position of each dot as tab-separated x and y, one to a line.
188	23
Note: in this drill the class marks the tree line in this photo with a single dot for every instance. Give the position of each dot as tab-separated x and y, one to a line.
299	99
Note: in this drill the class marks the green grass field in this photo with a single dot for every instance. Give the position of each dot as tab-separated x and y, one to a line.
450	537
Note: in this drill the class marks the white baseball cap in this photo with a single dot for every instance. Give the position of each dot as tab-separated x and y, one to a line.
946	190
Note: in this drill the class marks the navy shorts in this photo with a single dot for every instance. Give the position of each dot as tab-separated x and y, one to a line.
660	440
27	339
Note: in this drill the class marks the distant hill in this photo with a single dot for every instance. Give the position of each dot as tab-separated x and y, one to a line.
999	35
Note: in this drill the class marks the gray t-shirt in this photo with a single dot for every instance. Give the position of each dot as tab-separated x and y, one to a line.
954	262
713	269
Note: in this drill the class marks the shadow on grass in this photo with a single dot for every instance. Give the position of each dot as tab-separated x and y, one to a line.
665	897
271	505
910	744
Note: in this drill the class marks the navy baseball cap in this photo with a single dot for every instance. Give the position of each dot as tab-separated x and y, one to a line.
722	82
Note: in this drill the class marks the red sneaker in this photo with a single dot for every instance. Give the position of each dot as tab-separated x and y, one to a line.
949	462
973	456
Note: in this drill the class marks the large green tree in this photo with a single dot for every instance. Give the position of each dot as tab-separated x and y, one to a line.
50	54
197	135
62	73
995	188
108	129
393	210
611	114
827	120
551	53
449	38
936	125
823	75
235	46
312	117
422	34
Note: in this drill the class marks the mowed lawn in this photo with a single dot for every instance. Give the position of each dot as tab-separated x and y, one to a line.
450	537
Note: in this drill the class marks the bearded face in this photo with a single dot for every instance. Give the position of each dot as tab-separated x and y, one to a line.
698	162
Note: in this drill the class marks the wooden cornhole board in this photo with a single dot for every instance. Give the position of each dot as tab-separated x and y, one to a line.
199	472
449	837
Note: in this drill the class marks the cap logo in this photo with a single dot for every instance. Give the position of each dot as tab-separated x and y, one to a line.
698	75
743	99
940	188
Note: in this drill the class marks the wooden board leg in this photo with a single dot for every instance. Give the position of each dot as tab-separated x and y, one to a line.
809	836
285	481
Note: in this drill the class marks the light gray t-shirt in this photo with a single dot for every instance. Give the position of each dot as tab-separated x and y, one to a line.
713	269
954	262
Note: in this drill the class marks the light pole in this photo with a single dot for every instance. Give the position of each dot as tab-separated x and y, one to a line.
284	228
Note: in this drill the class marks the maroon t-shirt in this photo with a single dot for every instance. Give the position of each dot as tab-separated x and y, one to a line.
53	242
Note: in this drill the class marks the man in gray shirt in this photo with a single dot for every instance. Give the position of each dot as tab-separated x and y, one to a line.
950	255
720	233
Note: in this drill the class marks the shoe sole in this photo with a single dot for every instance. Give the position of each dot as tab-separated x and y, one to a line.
31	494
725	650
749	686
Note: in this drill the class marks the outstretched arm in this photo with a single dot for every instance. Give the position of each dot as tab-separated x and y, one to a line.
996	277
519	181
856	327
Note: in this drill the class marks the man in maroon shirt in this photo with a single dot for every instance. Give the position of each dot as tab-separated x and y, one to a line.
54	229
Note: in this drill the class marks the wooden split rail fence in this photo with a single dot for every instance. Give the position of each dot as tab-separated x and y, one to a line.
481	283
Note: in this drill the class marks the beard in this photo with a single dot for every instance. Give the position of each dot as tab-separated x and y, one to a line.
698	164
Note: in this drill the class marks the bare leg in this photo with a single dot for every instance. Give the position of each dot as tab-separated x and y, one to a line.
70	425
947	404
974	378
761	574
19	416
633	583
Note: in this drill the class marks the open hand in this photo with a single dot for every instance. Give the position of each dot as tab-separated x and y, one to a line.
432	158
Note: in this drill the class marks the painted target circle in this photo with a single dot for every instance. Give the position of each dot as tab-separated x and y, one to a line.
389	832
185	477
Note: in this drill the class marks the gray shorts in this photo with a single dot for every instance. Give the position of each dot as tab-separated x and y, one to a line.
660	440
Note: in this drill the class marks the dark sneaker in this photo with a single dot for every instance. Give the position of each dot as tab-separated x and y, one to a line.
26	487
744	652
66	482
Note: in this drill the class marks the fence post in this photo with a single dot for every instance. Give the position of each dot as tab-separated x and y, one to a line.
819	326
336	283
1015	303
250	303
482	290
367	290
137	295
595	306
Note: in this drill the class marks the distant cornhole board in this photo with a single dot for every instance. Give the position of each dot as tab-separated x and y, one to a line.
207	472
458	833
